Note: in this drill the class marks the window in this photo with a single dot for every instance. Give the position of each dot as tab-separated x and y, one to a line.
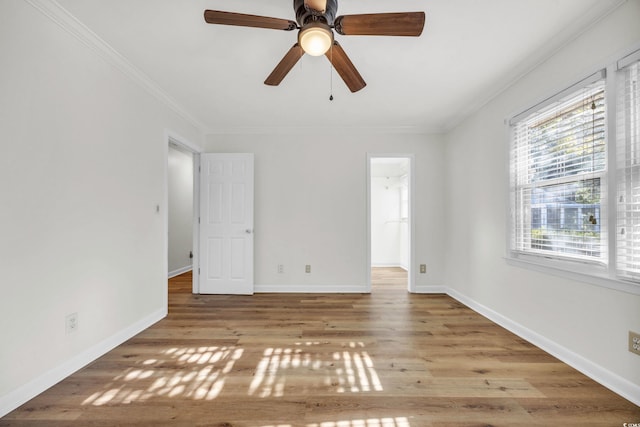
628	168
558	177
575	183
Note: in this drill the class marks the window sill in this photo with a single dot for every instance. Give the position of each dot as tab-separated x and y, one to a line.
595	276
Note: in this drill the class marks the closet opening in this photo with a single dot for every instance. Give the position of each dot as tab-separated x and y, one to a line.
390	222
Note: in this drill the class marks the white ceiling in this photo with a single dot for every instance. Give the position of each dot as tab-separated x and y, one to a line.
469	51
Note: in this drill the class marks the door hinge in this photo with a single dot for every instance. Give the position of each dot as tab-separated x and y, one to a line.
198	220
198	270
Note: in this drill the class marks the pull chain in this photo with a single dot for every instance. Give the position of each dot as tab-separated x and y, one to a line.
593	219
331	73
593	135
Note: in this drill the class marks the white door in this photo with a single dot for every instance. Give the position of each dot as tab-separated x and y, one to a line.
226	224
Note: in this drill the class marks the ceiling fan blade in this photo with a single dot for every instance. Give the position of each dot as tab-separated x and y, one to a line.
381	24
286	64
244	20
316	5
345	67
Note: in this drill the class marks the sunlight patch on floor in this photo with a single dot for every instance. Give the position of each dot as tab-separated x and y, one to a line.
202	374
370	422
199	373
348	370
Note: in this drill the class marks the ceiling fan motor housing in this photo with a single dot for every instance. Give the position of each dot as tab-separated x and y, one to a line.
304	15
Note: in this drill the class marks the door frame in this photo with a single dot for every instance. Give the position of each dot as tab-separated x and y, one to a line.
411	286
172	138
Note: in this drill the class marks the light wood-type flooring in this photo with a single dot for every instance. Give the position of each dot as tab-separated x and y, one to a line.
387	359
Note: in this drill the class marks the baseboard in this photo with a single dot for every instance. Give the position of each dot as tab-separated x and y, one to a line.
311	289
339	289
610	380
180	271
430	289
33	388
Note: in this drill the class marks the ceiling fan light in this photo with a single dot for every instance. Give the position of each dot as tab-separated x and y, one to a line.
315	38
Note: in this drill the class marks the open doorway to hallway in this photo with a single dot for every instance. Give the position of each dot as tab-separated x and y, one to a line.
390	220
180	192
181	198
388	278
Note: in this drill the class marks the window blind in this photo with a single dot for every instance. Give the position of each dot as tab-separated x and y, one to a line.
558	177
628	165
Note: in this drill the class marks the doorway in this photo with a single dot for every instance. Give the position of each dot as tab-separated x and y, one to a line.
181	246
180	210
390	221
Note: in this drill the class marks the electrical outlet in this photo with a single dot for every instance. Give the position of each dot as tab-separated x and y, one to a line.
280	268
71	323
634	342
307	268
423	268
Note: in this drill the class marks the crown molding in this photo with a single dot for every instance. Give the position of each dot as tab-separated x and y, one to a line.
59	15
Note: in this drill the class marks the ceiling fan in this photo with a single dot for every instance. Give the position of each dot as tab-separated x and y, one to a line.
316	20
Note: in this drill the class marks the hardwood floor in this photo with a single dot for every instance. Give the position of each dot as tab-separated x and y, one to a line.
388	278
388	359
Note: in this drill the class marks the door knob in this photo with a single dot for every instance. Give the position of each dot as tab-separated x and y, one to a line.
248	231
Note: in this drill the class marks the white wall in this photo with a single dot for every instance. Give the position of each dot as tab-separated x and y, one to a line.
589	322
82	169
180	185
311	205
385	222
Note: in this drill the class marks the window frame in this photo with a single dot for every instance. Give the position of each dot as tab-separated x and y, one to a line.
631	60
594	273
533	179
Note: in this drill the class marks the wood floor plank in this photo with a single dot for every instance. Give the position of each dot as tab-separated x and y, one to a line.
385	359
